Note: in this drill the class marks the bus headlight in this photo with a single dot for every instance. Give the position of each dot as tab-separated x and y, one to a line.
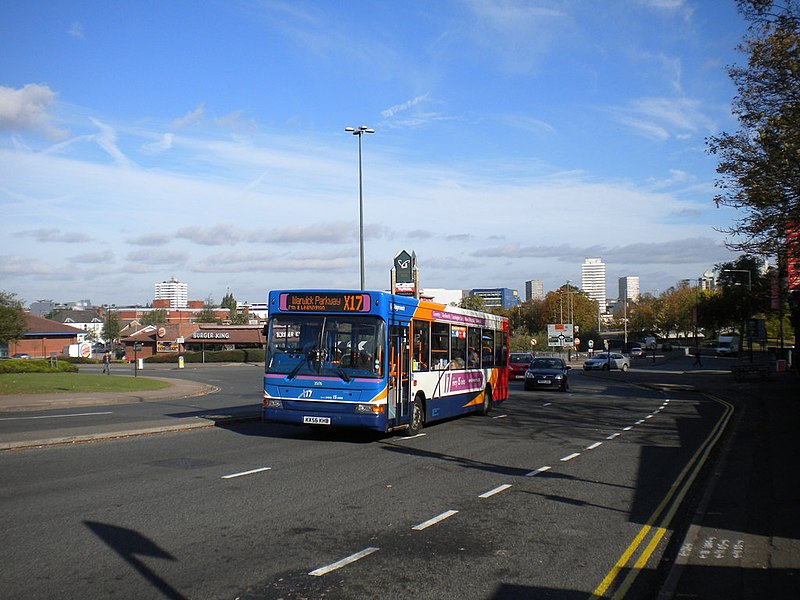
274	403
369	409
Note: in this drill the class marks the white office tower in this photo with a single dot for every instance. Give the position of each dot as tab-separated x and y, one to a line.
173	290
593	280
534	290
628	289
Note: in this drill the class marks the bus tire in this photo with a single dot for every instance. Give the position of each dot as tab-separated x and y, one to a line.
487	401
417	417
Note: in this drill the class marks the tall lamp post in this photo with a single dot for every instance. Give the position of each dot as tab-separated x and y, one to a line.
362	129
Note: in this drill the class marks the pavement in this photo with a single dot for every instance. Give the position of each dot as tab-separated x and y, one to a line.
744	539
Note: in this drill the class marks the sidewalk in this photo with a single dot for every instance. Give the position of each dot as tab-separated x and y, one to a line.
744	541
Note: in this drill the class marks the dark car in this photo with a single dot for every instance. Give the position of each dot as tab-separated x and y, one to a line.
21	355
518	363
547	373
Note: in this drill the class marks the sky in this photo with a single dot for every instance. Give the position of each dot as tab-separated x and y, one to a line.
205	141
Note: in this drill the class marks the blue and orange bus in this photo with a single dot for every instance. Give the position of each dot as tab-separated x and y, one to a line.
379	361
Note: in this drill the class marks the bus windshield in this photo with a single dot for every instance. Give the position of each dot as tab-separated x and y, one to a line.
337	346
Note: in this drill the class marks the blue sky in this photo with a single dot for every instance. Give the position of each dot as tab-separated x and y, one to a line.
205	141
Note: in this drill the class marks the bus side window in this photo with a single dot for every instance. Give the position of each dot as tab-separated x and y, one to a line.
422	346
474	347
440	345
500	349
487	348
458	347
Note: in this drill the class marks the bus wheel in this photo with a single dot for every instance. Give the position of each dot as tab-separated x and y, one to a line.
487	401
417	417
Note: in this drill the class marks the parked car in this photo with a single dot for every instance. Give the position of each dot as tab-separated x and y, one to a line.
547	373
21	355
637	352
606	361
518	363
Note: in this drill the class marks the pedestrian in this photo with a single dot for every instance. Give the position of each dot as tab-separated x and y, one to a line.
107	363
697	361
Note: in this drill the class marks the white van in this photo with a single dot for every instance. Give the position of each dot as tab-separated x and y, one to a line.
727	345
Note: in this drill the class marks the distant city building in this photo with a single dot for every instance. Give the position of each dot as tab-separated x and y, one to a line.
174	291
708	281
534	290
628	288
42	308
497	297
593	281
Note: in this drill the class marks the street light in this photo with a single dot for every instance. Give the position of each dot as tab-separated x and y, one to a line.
361	130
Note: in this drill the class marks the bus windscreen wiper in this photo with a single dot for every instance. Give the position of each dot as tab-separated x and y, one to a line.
345	377
294	371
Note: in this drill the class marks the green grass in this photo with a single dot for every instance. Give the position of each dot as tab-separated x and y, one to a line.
50	383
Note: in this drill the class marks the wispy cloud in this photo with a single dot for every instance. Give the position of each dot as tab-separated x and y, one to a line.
397	108
159	146
45	235
94	257
189	118
157	257
664	118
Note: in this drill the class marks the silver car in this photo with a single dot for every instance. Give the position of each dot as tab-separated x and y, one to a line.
607	361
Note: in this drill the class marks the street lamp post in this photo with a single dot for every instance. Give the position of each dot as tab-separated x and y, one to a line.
359	131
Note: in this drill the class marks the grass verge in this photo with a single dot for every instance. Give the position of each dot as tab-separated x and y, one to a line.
54	383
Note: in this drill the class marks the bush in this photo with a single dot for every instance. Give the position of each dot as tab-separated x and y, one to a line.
244	355
78	360
36	366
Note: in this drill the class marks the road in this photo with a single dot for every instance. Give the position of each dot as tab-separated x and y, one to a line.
554	495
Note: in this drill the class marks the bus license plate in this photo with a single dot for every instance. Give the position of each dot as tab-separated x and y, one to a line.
317	420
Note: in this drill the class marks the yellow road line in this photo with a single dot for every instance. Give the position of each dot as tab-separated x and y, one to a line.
677	492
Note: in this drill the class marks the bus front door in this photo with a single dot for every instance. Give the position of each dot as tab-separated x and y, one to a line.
399	388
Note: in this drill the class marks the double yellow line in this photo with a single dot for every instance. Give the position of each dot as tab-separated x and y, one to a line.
656	525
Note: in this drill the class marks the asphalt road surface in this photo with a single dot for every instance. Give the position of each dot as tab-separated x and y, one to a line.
554	495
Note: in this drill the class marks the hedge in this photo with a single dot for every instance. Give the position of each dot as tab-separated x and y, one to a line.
244	355
35	366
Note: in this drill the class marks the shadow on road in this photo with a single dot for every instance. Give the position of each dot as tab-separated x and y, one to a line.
130	544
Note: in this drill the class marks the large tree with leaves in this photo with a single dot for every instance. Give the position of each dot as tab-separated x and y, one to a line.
759	165
13	323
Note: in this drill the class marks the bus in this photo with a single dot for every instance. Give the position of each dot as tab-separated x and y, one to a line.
374	360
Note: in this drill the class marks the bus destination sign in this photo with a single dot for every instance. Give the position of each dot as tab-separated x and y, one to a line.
324	302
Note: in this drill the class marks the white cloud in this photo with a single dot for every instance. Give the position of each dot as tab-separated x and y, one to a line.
76	30
25	109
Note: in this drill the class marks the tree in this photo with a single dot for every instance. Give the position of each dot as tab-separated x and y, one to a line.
207	315
155	317
229	302
473	302
676	313
13	323
759	164
111	328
